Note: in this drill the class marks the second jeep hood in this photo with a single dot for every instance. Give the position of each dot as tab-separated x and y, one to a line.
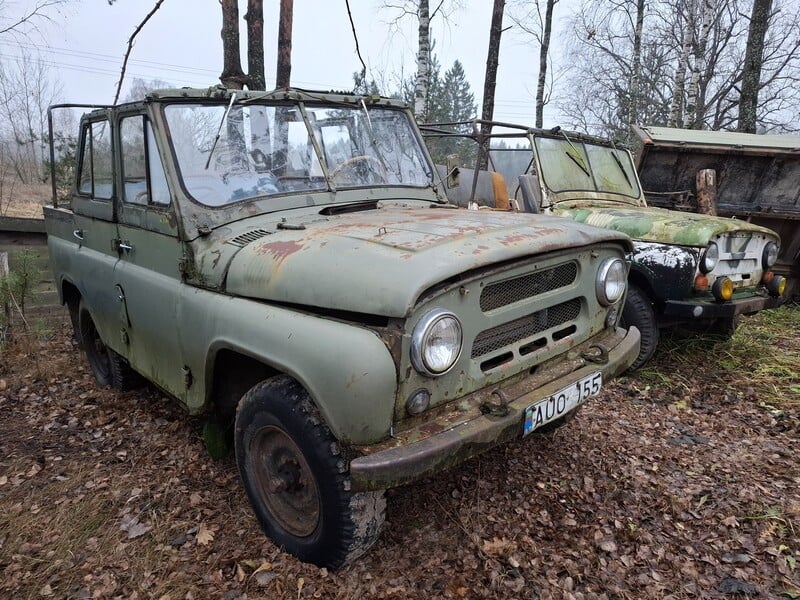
380	261
656	224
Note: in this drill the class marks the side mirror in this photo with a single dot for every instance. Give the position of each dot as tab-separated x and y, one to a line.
451	163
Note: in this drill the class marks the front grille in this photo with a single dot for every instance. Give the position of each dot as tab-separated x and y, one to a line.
509	291
512	332
247	237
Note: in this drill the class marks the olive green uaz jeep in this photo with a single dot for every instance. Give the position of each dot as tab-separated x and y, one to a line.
284	261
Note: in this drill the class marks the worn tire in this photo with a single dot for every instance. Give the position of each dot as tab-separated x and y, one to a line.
638	312
108	367
296	478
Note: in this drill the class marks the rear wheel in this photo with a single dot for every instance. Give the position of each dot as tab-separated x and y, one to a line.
108	367
638	312
296	478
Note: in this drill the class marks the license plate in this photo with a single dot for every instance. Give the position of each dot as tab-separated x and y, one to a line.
560	403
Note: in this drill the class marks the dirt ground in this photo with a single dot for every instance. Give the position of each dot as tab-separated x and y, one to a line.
679	482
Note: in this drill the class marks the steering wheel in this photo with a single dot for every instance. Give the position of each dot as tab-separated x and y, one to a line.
353	160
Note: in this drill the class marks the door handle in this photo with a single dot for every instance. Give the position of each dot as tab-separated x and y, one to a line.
125	246
78	233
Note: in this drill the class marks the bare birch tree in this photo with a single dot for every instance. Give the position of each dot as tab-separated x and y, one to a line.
423	61
692	118
420	10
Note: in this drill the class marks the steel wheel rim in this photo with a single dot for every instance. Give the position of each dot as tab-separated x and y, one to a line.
284	481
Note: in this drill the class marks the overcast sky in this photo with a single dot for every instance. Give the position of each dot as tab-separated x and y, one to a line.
181	44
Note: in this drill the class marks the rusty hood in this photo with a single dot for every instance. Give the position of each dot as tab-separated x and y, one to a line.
659	225
380	261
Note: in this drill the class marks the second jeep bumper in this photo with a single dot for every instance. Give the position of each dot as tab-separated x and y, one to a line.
449	440
695	310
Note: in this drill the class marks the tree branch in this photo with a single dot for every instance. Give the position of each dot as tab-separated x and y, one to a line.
130	47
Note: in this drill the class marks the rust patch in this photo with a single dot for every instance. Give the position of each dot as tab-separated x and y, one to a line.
280	250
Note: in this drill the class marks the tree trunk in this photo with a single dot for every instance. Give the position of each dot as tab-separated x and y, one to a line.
679	81
753	58
543	51
284	70
423	63
232	75
636	71
255	44
492	61
693	117
706	183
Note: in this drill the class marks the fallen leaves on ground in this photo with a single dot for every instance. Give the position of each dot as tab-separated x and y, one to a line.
678	482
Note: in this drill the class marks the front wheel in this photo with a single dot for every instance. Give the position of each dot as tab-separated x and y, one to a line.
296	478
638	312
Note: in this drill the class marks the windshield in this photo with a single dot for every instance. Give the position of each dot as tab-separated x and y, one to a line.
228	154
578	166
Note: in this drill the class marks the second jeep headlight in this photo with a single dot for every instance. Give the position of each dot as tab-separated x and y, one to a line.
770	255
709	258
436	343
610	282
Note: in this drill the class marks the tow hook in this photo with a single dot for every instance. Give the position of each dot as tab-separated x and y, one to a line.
496	410
596	353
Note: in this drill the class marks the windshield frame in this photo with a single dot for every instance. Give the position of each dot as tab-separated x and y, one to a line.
592	170
326	177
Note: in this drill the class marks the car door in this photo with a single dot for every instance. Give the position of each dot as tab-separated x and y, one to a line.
147	276
95	226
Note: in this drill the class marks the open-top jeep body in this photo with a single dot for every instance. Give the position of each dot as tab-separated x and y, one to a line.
689	269
284	258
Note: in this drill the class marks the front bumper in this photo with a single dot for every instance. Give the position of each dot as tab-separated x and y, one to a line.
696	310
465	431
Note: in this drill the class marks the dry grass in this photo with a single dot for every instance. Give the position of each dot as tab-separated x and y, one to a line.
761	360
24	200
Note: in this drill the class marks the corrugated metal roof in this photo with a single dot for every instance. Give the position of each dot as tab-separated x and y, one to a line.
670	135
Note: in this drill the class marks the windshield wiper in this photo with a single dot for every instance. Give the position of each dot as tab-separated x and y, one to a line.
576	160
619	164
373	142
219	129
580	165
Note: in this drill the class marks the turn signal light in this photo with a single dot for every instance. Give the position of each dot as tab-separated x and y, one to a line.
722	289
701	282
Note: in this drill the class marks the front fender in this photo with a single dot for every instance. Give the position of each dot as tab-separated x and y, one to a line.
668	269
346	369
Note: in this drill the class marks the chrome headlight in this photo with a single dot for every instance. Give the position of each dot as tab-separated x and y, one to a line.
610	283
709	259
436	343
770	255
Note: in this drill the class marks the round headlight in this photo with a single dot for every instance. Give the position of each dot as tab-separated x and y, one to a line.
710	258
770	255
436	343
610	283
